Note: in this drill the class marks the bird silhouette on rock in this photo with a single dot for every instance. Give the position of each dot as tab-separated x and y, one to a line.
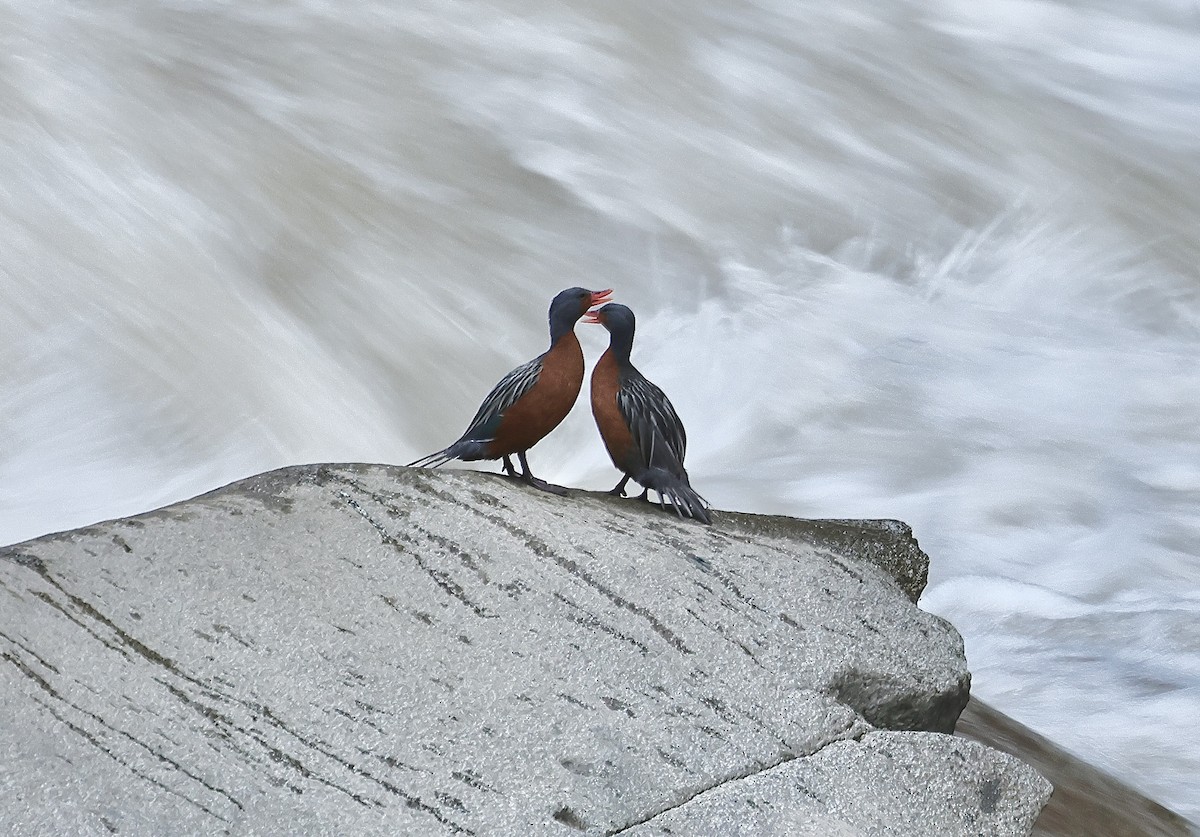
531	400
640	428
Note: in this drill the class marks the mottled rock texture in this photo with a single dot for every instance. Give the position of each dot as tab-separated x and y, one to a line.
886	783
368	649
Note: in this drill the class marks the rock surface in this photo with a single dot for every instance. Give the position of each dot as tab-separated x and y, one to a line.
366	649
1087	802
886	783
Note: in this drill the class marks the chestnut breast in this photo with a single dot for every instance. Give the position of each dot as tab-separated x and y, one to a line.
547	403
606	383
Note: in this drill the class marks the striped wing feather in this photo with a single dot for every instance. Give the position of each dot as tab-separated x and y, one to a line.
506	393
657	431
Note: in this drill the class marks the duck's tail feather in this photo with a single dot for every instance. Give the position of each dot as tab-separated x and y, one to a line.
467	450
433	460
678	492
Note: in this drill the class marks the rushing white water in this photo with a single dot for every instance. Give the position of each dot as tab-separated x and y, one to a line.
926	259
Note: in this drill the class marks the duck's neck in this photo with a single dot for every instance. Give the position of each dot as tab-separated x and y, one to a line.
560	327
564	340
620	345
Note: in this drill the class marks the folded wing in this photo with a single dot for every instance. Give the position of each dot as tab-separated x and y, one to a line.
657	430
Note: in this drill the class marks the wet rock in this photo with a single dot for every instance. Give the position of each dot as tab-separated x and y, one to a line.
368	649
1086	801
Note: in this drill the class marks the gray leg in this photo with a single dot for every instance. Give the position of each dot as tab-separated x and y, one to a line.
528	476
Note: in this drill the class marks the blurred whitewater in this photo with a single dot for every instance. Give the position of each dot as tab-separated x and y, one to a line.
934	260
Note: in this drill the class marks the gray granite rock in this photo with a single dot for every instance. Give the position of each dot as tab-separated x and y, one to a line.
884	784
368	649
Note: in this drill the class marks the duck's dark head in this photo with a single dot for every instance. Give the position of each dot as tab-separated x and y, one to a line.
569	306
614	317
619	321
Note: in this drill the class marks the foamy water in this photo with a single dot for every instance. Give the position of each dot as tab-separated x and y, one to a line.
926	260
